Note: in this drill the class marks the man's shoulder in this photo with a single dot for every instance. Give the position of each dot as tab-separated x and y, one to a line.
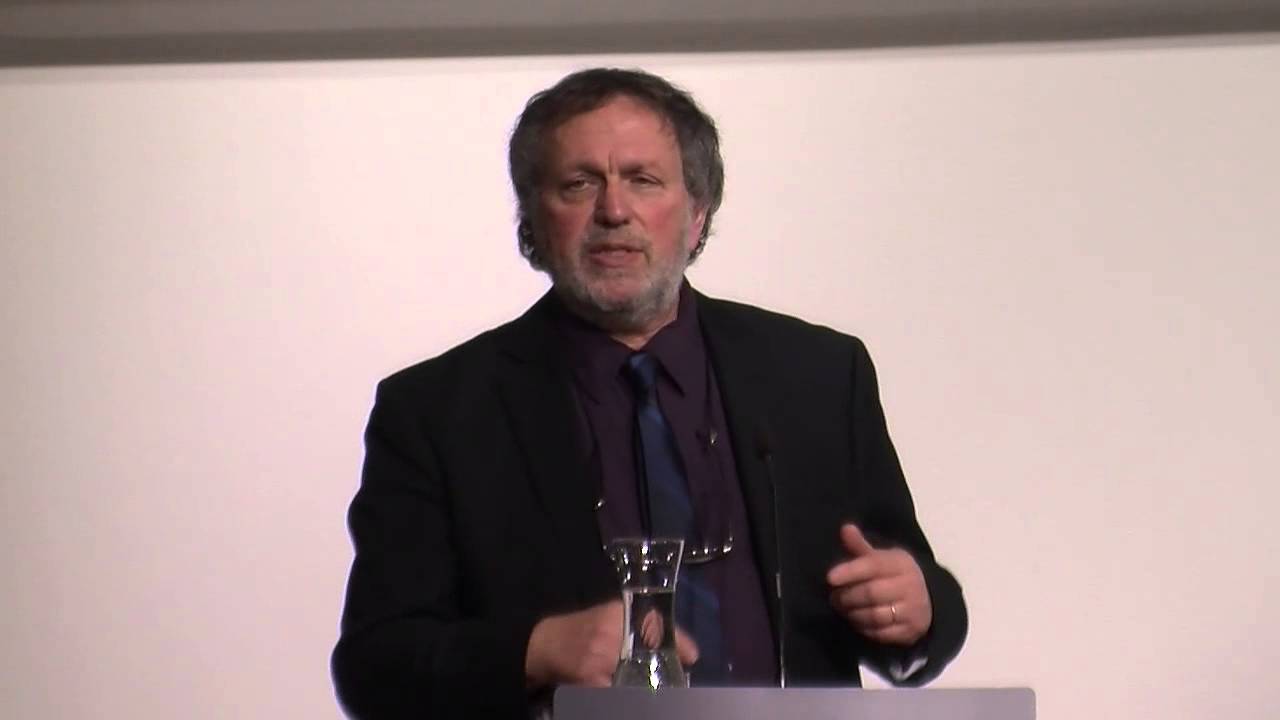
460	367
779	330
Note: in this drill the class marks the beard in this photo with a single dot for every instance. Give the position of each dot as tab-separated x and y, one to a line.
631	299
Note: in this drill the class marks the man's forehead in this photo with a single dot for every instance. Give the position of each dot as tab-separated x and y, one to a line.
622	119
617	110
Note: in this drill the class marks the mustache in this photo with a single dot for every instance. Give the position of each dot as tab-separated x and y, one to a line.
598	239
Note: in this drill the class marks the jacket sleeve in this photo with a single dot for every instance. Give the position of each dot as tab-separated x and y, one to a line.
408	648
891	520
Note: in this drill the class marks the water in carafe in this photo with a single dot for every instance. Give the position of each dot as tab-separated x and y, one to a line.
648	570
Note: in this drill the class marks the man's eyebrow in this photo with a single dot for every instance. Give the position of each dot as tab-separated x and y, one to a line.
591	167
636	166
577	168
583	165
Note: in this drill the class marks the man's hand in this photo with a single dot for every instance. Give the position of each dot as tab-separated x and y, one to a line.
582	648
651	629
880	592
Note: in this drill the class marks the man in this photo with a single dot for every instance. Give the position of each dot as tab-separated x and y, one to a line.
496	472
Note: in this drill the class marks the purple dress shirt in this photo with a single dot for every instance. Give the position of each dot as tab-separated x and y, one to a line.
691	403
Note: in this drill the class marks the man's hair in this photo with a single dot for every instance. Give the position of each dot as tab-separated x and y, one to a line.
589	90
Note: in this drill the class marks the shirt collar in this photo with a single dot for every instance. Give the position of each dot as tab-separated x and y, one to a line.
595	359
678	346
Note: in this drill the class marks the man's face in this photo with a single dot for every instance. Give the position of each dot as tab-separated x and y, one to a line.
615	223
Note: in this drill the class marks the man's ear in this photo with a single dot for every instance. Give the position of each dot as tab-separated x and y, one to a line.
696	223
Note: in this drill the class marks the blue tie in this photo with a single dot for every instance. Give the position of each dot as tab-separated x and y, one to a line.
664	491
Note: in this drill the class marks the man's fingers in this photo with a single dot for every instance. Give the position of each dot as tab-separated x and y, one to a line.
651	629
686	648
882	593
893	635
854	571
887	563
611	610
873	618
864	595
579	648
853	541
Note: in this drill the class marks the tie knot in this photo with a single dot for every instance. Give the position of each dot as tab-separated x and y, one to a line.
642	370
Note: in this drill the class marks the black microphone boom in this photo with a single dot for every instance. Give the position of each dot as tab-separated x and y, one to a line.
764	451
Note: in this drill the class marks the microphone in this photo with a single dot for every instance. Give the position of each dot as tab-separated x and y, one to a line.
764	451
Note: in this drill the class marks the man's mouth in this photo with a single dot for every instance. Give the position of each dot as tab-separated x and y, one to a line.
615	254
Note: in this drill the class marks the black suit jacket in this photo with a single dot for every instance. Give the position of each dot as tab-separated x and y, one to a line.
475	516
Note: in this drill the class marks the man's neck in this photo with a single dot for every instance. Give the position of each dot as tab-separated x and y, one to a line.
638	339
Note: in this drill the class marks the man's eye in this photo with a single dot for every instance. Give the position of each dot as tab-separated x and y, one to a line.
574	185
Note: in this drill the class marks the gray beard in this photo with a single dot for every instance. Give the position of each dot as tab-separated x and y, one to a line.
635	315
638	315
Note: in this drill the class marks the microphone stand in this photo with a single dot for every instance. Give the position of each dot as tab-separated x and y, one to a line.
764	450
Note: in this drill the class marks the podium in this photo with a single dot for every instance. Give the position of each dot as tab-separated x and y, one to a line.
577	703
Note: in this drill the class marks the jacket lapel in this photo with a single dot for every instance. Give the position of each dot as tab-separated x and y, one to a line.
742	375
534	386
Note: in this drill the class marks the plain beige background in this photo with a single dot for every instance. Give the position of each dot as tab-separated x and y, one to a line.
1063	259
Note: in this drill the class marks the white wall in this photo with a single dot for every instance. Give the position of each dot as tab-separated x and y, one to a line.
1062	258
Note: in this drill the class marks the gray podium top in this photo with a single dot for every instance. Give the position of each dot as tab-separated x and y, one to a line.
575	703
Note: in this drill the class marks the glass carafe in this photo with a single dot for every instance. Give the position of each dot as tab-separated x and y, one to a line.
647	569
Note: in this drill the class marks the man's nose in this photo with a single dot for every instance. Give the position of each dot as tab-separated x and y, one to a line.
612	206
